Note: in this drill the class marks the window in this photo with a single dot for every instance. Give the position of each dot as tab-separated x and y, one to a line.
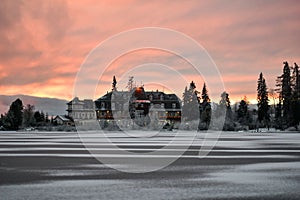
173	105
151	97
102	104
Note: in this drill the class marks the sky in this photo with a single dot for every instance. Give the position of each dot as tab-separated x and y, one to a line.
43	44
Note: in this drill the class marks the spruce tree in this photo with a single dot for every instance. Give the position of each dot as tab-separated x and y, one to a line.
185	96
278	115
286	93
114	84
37	117
284	82
243	112
205	110
295	104
14	116
262	101
190	107
204	94
28	115
278	108
296	75
47	118
225	101
225	104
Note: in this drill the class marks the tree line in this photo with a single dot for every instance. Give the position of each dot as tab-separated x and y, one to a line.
288	88
197	106
283	114
20	116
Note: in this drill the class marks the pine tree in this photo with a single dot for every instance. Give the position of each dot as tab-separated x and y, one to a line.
130	84
278	115
205	110
278	108
28	118
284	82
13	119
243	112
190	107
225	101
2	117
47	118
297	81
42	116
225	105
286	93
262	101
114	84
37	117
185	96
204	95
295	101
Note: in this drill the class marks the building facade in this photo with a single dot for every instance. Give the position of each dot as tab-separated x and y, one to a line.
139	106
81	111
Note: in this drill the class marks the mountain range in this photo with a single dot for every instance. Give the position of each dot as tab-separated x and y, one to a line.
52	106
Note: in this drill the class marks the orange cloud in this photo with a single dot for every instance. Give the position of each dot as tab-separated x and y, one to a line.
43	44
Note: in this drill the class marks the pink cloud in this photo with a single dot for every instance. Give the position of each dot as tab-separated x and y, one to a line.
44	44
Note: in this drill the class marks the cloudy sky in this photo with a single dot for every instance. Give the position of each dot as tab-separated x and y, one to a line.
44	43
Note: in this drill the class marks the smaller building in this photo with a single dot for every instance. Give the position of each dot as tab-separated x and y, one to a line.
62	120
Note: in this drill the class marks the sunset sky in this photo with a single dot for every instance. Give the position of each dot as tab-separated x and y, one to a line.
44	43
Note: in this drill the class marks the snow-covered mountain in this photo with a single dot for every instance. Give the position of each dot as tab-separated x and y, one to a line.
52	106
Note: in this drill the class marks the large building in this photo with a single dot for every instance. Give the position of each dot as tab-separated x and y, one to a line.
140	106
124	108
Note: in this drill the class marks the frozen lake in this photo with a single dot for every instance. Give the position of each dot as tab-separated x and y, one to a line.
59	166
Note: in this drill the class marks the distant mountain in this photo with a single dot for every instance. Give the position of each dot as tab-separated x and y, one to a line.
52	106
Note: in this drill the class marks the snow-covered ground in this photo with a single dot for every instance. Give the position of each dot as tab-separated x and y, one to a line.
58	165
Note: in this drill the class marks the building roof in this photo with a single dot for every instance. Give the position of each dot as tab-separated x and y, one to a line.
87	103
156	95
62	117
